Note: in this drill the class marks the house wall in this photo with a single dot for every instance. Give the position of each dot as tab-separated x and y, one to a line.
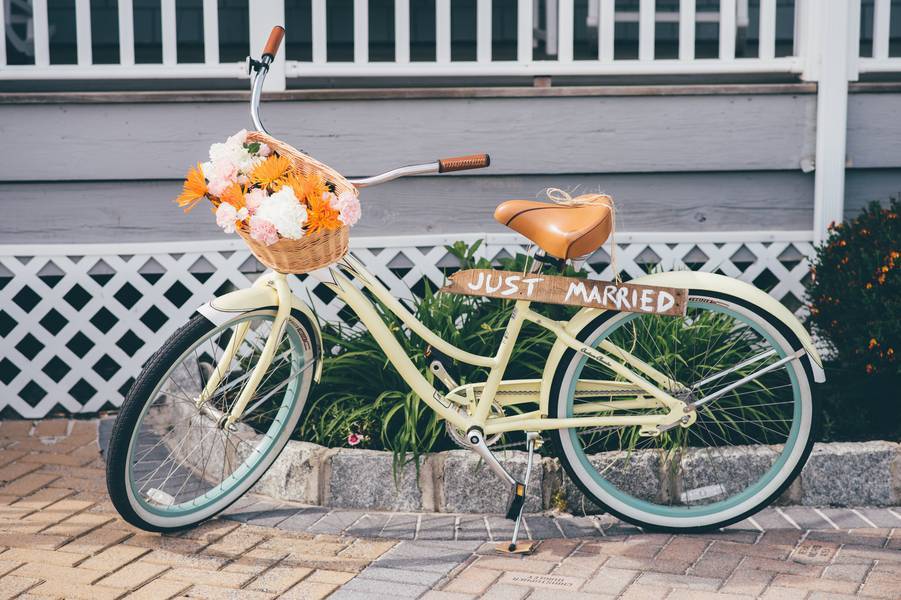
704	159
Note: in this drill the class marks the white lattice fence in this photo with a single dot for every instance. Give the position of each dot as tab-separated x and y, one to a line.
77	322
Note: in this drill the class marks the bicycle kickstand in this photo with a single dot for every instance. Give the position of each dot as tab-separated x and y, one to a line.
518	504
476	439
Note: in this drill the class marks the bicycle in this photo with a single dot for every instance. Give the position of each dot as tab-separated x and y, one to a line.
689	439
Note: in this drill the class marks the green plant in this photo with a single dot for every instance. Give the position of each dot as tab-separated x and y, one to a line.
855	309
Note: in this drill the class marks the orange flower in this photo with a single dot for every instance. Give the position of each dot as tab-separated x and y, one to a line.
873	343
321	216
234	195
193	189
272	172
309	187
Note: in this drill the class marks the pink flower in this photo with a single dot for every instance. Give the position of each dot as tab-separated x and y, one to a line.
354	439
254	197
220	175
348	205
264	150
263	231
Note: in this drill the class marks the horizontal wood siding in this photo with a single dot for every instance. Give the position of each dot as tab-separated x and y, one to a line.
109	171
874	130
523	135
144	211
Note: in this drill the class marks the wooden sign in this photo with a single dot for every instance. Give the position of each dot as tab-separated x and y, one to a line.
554	289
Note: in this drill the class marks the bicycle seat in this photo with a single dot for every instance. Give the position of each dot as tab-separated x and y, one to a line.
561	231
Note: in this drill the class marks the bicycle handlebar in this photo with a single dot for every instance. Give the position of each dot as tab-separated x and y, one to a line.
274	42
462	163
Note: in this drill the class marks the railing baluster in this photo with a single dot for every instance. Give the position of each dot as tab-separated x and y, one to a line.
41	33
2	34
126	33
550	25
687	30
210	31
318	33
524	31
606	28
881	25
767	29
646	29
565	41
727	29
263	16
483	31
442	31
83	31
402	31
167	28
361	31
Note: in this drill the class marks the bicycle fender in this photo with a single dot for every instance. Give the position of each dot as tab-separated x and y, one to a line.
694	280
221	309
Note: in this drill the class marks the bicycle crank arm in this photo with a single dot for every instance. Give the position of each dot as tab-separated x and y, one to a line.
477	440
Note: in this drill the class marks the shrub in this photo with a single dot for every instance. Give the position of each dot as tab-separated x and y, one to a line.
855	310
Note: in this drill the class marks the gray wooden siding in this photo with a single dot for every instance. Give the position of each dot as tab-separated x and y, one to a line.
142	211
673	163
523	135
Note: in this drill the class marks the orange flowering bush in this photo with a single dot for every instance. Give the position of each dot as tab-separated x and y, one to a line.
254	189
855	308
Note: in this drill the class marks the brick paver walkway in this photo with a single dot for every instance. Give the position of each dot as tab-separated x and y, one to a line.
59	537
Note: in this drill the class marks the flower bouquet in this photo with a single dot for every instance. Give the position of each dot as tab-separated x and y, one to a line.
293	211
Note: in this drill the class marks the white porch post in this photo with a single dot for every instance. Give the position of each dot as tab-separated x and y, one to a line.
264	15
832	30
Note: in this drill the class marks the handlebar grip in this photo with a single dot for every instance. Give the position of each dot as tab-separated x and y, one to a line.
462	163
275	40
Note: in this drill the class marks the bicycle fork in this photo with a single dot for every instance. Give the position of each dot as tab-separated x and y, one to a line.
280	283
517	503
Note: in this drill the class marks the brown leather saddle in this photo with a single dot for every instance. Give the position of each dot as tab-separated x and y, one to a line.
561	231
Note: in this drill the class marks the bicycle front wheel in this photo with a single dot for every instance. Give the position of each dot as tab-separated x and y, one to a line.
750	438
174	462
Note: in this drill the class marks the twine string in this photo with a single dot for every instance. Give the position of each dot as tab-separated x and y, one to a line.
564	198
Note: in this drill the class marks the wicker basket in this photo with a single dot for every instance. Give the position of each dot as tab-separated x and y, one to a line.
311	252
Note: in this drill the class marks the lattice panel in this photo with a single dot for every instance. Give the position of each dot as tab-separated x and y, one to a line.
78	322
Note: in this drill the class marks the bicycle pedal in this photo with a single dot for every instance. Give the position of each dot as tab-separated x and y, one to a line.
517	502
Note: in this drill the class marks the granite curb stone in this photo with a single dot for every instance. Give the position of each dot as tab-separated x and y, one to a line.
839	474
457	481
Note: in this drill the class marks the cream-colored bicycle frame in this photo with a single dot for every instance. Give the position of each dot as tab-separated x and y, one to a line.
475	399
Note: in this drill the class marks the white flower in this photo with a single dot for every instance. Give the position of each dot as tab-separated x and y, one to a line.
239	139
283	210
233	152
226	215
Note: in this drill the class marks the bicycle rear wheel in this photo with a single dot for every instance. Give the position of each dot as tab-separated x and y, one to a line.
750	438
172	463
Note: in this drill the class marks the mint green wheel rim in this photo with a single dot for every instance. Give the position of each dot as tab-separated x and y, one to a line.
270	439
688	511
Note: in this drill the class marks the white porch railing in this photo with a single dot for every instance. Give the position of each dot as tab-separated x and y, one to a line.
557	32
